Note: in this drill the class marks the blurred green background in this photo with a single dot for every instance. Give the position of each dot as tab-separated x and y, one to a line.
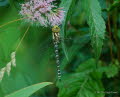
80	76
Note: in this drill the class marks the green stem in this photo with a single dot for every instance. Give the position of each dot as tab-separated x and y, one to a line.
22	39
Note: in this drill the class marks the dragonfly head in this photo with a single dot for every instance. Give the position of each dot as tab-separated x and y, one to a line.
56	29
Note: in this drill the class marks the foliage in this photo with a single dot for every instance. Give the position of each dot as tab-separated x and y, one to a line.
97	25
26	92
85	81
92	29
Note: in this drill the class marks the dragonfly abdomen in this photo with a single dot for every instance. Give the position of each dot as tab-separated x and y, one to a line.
56	47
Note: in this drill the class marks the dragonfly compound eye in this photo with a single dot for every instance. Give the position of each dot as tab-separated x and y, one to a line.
56	29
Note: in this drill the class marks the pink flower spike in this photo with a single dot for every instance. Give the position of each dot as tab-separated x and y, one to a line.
42	12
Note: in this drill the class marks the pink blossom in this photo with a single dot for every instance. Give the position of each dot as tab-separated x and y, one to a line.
42	12
56	18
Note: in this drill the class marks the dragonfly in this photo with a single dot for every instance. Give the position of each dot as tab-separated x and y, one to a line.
56	42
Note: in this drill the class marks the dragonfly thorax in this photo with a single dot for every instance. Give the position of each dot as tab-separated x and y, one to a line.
56	29
56	37
55	32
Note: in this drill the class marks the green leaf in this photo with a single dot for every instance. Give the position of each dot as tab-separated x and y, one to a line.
88	67
68	7
28	91
96	24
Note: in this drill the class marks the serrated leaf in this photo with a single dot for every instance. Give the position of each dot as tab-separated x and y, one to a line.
96	24
28	91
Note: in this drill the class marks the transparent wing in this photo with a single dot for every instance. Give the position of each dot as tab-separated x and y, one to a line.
48	46
74	49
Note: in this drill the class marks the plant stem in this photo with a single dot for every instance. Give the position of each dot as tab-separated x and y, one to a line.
22	38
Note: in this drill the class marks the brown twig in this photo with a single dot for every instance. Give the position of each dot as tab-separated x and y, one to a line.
110	36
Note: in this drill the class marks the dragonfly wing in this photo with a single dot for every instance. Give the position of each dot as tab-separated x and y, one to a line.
78	40
73	41
73	48
45	46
